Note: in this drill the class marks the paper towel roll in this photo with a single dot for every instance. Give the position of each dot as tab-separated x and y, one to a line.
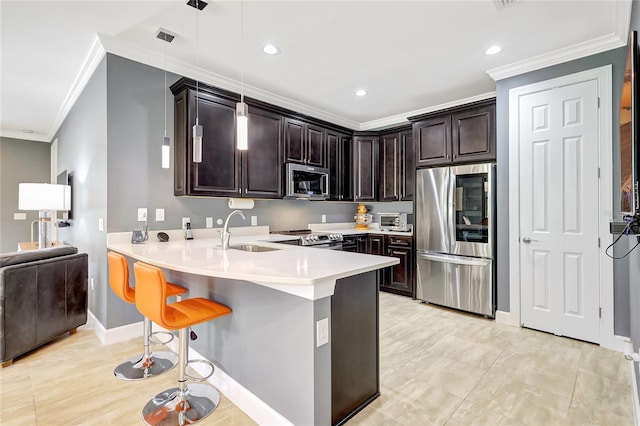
240	203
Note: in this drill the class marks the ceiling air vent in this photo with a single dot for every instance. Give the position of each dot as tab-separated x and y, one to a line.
501	4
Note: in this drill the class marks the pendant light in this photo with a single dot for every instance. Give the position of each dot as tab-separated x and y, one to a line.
197	128
166	140
242	113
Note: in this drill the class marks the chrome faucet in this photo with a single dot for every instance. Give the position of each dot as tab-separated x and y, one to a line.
225	235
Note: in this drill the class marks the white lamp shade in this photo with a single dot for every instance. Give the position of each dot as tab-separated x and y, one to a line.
44	196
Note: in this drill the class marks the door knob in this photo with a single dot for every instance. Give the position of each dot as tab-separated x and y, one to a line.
528	240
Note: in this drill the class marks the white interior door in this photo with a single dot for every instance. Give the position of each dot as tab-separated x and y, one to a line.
559	254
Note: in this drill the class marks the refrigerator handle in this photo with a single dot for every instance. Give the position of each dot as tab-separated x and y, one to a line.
457	260
451	219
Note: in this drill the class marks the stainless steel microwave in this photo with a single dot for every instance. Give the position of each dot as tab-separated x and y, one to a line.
395	221
306	182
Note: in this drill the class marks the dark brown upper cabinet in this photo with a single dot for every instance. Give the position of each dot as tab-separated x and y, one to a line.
219	172
224	170
365	167
464	134
408	166
262	162
339	164
397	166
304	142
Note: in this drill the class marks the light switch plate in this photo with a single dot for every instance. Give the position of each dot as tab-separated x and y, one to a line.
324	218
208	222
142	214
100	224
159	215
19	216
254	220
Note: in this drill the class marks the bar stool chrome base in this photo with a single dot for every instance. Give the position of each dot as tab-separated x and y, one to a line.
140	367
179	408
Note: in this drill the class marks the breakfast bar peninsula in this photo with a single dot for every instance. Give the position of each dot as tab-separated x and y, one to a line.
301	345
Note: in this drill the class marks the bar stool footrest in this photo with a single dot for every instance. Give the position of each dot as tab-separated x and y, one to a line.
200	361
154	340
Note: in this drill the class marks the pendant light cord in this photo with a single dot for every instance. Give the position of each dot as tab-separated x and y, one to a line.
164	88
241	50
197	61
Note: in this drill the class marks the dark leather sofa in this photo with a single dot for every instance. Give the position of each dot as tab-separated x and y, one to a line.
43	294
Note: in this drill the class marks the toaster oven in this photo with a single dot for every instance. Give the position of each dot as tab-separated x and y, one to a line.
395	221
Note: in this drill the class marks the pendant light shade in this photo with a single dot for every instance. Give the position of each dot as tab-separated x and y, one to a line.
166	151
242	126
197	142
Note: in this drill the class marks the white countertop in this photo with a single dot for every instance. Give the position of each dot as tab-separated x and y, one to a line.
307	272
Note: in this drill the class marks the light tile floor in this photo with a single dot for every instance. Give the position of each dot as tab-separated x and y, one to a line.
438	367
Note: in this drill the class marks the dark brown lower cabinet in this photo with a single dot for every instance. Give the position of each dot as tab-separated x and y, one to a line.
399	278
355	366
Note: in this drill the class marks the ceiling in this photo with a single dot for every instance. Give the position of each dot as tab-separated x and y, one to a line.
411	57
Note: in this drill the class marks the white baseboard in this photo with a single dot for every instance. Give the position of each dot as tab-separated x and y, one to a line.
116	334
506	318
618	343
634	389
240	396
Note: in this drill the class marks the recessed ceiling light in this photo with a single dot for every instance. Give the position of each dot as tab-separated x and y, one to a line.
361	92
270	49
493	50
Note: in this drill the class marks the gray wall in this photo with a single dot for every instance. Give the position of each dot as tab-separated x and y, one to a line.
617	58
82	151
21	161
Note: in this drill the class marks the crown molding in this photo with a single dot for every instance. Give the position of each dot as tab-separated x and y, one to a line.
618	38
15	134
91	62
151	58
402	118
577	51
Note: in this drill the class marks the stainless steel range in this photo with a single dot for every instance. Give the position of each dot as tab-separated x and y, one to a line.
325	240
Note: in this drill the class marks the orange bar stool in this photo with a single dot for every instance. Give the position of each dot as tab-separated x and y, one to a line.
185	404
147	364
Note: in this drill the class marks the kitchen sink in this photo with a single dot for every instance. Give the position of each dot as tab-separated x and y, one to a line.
252	247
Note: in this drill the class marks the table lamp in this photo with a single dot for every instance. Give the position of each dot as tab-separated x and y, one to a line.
46	198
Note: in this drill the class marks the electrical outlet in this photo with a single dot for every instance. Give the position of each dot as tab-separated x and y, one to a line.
208	222
19	216
159	215
142	214
185	220
254	220
322	332
324	218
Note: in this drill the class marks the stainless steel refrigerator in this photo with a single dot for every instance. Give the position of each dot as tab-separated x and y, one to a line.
454	229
